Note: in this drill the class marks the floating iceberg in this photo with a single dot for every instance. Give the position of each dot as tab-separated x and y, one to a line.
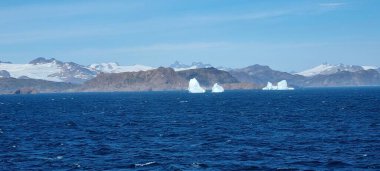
282	85
217	88
194	87
269	86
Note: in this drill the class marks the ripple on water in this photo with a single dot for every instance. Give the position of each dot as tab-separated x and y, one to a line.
179	131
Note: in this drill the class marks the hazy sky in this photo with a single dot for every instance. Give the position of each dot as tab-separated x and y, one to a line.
286	35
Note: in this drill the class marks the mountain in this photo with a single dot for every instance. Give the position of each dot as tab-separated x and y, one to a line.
177	66
160	79
13	85
208	76
260	75
369	67
114	67
4	74
326	69
331	76
42	60
50	70
115	77
58	71
157	79
5	62
345	78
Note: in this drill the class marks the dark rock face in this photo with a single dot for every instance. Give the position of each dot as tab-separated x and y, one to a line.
4	74
26	91
157	80
11	85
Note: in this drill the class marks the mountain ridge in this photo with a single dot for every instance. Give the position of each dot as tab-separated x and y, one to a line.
160	79
326	69
154	79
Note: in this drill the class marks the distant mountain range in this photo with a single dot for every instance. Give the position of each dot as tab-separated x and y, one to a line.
50	70
51	75
327	69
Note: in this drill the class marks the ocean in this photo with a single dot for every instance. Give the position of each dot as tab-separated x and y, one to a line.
315	129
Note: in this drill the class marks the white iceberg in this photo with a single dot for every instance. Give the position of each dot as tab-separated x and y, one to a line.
282	85
217	88
269	86
194	86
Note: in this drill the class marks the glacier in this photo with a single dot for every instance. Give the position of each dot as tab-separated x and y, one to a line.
282	85
194	86
217	88
38	71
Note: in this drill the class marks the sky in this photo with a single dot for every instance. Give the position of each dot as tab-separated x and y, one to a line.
286	35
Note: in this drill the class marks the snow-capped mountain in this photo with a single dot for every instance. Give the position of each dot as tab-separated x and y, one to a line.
49	69
114	67
370	67
58	71
69	72
177	66
327	69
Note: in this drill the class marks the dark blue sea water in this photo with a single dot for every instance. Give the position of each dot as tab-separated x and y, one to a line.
317	129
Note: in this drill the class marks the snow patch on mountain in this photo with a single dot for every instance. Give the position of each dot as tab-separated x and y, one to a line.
40	71
114	67
177	66
369	67
50	70
327	69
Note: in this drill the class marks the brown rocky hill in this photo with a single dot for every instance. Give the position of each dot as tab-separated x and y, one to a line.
157	79
161	79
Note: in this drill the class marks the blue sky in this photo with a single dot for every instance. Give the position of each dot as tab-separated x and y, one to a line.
286	35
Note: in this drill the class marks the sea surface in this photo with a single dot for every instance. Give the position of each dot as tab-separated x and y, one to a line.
315	129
